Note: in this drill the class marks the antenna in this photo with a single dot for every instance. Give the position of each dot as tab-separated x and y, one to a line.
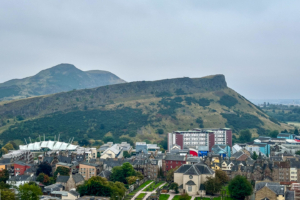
54	137
58	137
72	140
30	140
25	141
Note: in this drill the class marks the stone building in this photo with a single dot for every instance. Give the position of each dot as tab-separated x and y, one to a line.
71	181
269	190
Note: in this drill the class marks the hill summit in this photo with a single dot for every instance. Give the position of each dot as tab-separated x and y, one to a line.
60	78
135	111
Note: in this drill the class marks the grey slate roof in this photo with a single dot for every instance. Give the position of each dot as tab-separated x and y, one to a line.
64	159
175	157
105	174
190	182
78	178
22	178
278	189
260	185
62	179
183	168
5	161
73	192
237	154
195	169
48	159
53	187
289	195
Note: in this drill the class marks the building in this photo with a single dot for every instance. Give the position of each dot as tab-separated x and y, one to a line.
89	153
21	180
191	178
70	182
87	170
20	155
253	148
172	161
264	148
49	145
269	190
222	150
20	168
200	139
66	195
93	198
285	136
281	171
112	152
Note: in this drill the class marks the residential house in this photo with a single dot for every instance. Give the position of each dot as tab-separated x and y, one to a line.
269	190
281	171
70	182
112	152
172	161
20	168
21	180
105	174
54	187
191	178
66	195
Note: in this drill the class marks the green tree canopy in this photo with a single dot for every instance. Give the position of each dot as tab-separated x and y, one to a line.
174	186
213	185
120	173
126	154
45	168
4	175
298	152
170	174
296	132
99	186
7	194
239	187
29	191
254	155
63	171
245	136
222	176
43	178
273	134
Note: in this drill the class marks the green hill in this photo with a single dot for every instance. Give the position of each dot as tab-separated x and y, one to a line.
60	78
136	110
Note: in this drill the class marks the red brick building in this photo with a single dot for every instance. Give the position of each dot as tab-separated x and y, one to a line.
20	168
172	161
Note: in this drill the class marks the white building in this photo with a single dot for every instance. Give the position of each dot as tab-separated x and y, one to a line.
112	152
49	145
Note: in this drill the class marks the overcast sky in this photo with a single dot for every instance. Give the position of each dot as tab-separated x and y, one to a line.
255	44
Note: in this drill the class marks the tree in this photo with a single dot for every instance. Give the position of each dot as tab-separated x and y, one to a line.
7	195
128	169
4	186
4	175
222	176
14	144
254	155
108	139
117	174
239	187
45	168
273	134
296	132
43	178
184	196
98	186
131	179
160	131
83	142
245	136
63	171
170	174
139	175
29	191
213	185
298	152
126	154
174	186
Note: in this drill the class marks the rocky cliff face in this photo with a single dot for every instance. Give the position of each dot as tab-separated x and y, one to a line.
93	98
60	78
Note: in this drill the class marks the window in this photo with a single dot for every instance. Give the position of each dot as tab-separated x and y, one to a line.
190	188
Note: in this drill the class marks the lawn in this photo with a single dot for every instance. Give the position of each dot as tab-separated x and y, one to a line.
164	196
177	197
153	186
141	195
139	188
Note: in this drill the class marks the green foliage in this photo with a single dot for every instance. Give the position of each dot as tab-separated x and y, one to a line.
44	168
228	101
29	191
239	187
169	106
200	122
174	186
3	185
163	94
254	155
83	142
121	173
245	136
126	154
43	178
201	102
108	139
222	176
273	134
98	186
7	194
242	121
184	196
170	174
164	143
296	132
20	118
180	92
213	185
160	131
298	152
77	123
63	171
4	175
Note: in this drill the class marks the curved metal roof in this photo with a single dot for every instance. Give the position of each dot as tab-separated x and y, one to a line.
52	145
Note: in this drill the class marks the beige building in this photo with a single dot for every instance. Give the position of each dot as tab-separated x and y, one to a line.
191	178
87	170
269	190
70	182
112	152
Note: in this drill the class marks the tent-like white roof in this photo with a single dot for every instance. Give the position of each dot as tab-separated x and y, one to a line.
52	145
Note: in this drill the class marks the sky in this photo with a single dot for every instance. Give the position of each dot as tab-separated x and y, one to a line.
254	43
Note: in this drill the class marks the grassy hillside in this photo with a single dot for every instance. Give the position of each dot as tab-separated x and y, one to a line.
63	77
138	110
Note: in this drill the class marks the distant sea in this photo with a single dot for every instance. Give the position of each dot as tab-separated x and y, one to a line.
276	101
